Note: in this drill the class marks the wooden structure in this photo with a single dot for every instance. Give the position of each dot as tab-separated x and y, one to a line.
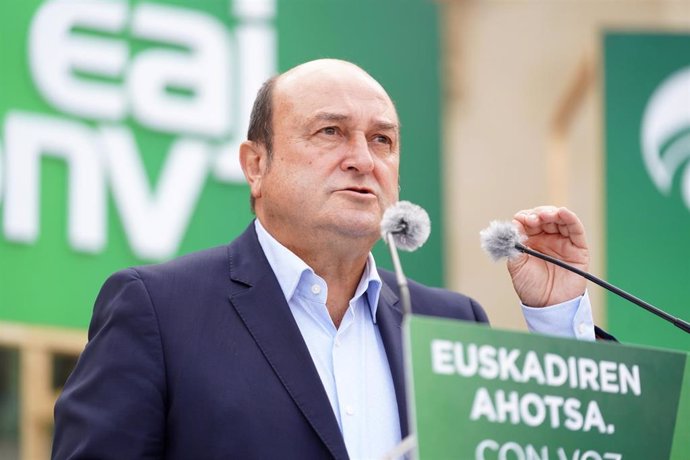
37	346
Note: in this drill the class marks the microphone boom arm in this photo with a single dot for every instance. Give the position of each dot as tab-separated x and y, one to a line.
647	306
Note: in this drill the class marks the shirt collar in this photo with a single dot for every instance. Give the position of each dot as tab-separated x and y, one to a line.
289	268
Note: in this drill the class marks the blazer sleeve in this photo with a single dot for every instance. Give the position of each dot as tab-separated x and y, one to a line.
113	404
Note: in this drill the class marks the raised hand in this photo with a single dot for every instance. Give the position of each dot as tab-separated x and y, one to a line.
557	232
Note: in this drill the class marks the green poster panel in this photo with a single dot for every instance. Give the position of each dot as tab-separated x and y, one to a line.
482	394
120	122
647	113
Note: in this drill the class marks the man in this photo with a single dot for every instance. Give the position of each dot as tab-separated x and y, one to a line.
287	342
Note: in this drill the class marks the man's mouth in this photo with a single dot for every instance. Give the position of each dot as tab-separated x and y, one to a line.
360	190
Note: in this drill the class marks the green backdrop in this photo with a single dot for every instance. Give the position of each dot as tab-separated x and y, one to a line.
114	89
647	107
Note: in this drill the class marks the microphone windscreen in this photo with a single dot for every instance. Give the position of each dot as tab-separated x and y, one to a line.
499	240
408	223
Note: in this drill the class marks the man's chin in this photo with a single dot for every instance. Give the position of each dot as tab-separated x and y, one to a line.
357	227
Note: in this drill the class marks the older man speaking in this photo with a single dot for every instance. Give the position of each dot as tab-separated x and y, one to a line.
286	343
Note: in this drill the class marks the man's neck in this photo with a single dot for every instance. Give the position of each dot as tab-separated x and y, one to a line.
340	262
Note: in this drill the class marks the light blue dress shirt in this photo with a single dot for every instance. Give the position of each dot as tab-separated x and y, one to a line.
351	360
568	319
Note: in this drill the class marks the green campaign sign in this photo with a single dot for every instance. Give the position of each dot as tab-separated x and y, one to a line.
120	122
485	394
647	104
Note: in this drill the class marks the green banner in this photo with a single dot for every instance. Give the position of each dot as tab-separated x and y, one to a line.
647	104
120	122
485	394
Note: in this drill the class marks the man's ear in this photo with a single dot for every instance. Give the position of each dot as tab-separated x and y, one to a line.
254	162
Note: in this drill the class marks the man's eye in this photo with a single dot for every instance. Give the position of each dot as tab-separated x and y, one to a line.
380	138
330	130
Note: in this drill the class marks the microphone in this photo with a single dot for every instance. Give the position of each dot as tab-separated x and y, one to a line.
408	223
502	240
406	226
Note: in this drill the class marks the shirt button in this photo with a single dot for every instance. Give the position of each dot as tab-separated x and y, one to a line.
349	410
315	289
337	343
582	328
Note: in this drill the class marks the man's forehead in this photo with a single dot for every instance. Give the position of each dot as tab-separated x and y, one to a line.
320	86
322	69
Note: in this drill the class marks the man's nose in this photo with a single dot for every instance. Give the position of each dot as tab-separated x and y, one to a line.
358	156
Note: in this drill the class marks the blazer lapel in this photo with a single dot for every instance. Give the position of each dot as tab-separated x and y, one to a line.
389	320
259	301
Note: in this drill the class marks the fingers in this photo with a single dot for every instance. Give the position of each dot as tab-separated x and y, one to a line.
551	220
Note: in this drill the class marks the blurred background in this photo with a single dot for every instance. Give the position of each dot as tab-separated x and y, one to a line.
120	121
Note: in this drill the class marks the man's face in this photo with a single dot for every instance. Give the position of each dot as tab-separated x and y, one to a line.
335	155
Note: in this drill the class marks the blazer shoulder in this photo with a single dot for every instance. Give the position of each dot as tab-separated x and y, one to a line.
173	283
212	264
186	270
435	301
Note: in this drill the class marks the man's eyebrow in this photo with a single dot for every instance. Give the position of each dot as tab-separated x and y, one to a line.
387	125
332	116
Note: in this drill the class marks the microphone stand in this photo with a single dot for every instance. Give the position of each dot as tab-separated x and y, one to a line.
639	302
410	442
399	276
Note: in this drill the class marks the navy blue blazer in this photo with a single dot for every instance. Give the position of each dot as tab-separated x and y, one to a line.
201	358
